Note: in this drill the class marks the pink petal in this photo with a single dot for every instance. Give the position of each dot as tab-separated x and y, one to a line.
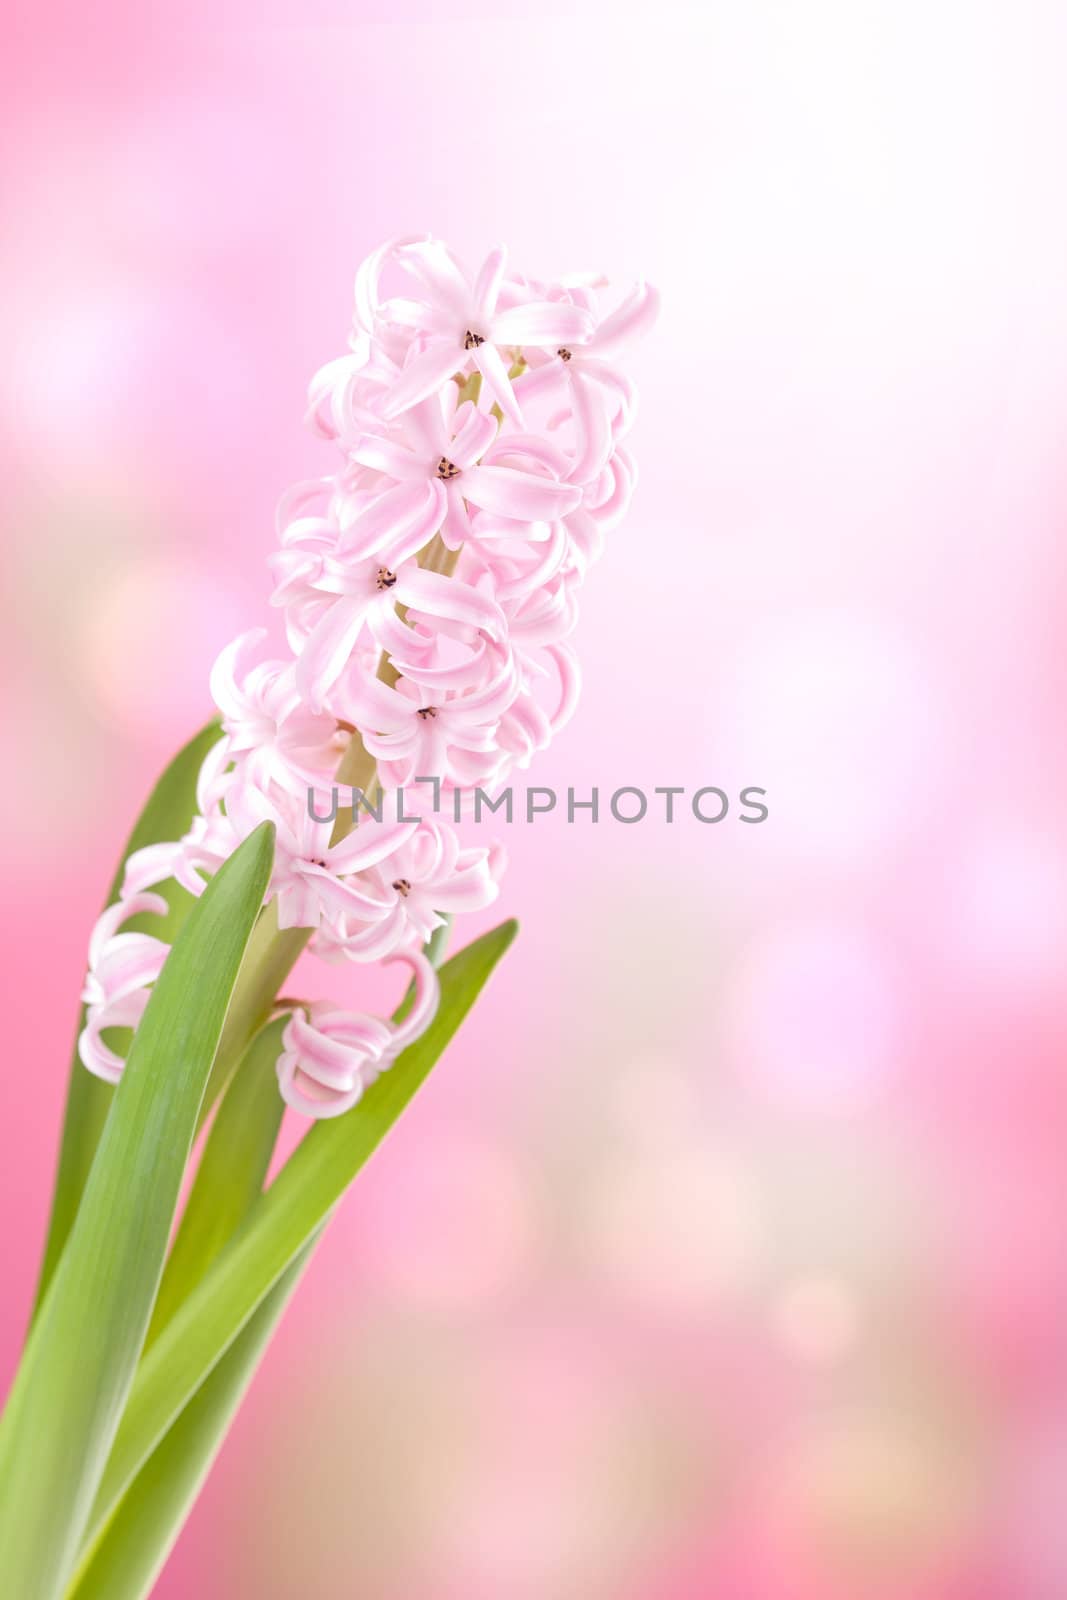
230	665
426	430
439	596
546	379
487	284
423	374
375	705
456	528
427	998
370	272
306	1097
433	263
629	321
470	890
570	683
454	676
490	364
475	434
392	459
368	844
544	322
507	492
592	426
326	652
152	864
328	1060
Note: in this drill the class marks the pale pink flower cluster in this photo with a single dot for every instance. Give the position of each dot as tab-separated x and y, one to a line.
429	588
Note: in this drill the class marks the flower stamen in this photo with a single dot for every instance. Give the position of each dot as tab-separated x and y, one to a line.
471	341
402	887
563	353
385	578
447	469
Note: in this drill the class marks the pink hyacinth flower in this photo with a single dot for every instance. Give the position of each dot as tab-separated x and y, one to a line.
461	324
268	727
329	1057
419	730
428	876
122	966
438	462
351	598
596	389
314	879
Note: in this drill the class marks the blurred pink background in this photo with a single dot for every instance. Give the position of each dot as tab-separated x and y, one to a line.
724	1252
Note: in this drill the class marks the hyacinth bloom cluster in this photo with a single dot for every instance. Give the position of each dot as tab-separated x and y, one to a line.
429	590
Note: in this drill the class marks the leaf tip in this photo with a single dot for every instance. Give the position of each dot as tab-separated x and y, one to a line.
264	837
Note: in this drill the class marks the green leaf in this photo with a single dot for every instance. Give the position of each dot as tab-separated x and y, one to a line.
131	1554
167	815
79	1363
133	1547
272	954
283	1220
230	1178
232	1171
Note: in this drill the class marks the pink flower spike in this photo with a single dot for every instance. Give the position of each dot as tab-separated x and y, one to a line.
428	586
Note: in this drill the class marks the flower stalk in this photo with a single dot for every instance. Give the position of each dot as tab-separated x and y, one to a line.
429	588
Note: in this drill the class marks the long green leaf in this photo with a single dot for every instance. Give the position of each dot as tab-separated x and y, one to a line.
80	1360
280	1224
231	1174
230	1178
137	1540
167	815
131	1554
